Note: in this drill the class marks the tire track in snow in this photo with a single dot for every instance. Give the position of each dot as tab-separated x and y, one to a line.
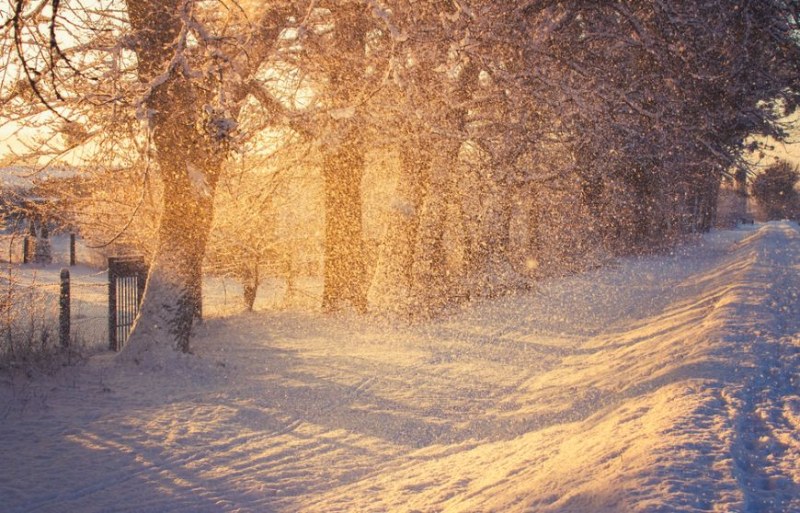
320	419
766	447
759	449
294	422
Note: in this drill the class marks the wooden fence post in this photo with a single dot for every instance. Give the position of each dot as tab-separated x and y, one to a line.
197	298
112	306
64	310
72	259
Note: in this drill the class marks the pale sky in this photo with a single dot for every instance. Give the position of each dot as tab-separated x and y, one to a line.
789	150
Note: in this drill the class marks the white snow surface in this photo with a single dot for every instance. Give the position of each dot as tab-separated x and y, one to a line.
665	383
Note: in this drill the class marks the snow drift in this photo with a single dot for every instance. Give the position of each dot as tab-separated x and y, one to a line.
663	383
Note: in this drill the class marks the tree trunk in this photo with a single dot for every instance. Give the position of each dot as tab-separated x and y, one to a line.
250	284
709	198
189	166
344	276
390	290
488	267
345	273
437	283
170	298
431	286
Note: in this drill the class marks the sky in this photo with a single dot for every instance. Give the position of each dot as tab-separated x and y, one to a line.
790	152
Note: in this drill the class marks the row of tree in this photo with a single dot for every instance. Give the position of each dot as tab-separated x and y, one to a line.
523	136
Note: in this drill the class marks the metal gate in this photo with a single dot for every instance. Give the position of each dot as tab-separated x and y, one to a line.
126	279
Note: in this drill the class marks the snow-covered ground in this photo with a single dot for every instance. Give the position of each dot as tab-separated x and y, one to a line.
662	384
36	289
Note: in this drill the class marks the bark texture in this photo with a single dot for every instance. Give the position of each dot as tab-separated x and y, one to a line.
189	166
345	274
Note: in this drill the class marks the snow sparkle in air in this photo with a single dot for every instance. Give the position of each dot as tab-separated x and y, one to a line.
662	383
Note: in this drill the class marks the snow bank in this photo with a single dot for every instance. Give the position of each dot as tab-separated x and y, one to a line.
664	383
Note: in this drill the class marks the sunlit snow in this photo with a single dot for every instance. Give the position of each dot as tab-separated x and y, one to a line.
660	383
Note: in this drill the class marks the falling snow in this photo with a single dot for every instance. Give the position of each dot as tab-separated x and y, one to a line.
659	383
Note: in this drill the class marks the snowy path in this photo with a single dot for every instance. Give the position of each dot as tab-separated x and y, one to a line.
665	383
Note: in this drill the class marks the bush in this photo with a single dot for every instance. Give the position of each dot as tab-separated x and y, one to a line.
775	192
29	327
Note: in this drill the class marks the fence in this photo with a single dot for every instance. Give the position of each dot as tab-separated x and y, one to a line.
66	249
42	307
126	280
65	305
55	306
31	246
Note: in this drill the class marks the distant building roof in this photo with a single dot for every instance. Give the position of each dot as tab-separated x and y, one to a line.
24	178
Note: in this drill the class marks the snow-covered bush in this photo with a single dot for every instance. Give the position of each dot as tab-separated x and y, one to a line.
28	324
775	191
267	224
114	212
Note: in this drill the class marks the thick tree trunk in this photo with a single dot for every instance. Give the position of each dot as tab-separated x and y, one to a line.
708	200
173	294
344	276
189	166
391	286
438	276
432	281
488	270
170	299
344	259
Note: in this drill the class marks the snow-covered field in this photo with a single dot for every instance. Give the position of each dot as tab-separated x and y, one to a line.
660	384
